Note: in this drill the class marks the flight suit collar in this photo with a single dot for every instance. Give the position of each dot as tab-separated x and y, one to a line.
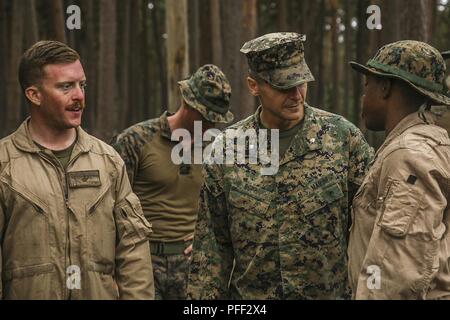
411	120
23	141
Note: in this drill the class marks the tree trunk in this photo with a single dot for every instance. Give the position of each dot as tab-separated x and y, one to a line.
3	65
58	17
89	58
106	99
31	25
177	49
160	53
13	90
390	11
348	51
361	56
124	58
416	19
335	95
194	33
238	13
282	15
216	33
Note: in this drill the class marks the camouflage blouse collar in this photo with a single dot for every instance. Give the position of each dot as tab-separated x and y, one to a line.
307	138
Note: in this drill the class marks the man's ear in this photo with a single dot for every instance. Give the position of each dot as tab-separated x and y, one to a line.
33	94
253	86
385	87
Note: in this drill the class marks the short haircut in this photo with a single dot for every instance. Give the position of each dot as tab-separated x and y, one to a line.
42	53
255	76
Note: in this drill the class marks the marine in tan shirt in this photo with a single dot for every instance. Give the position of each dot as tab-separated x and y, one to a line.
399	240
169	192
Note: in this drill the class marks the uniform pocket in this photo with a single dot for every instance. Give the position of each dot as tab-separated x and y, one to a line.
29	282
26	239
325	196
250	199
320	218
101	228
248	215
399	206
133	227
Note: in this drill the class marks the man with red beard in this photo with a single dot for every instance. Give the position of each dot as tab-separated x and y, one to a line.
70	226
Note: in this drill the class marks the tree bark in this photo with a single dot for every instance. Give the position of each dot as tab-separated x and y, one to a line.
31	25
13	90
161	62
243	14
282	15
3	66
89	58
194	34
216	32
348	51
416	19
177	49
106	99
335	96
59	25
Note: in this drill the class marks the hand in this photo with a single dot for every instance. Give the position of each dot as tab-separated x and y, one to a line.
188	250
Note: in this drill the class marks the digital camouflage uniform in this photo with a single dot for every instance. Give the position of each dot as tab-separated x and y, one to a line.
285	234
399	240
169	192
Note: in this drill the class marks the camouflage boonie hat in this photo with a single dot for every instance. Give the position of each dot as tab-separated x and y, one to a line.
417	63
208	91
278	58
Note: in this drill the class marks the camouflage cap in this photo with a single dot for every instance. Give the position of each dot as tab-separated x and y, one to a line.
208	91
278	58
417	63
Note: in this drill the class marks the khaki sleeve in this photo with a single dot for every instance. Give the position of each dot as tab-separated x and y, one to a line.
212	258
402	256
134	272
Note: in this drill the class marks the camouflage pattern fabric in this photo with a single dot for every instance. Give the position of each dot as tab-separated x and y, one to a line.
171	273
286	233
130	142
278	58
209	92
417	63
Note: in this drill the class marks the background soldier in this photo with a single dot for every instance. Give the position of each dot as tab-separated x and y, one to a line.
287	232
168	192
399	240
70	226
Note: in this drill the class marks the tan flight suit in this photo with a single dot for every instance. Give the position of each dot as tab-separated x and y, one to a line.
399	243
70	234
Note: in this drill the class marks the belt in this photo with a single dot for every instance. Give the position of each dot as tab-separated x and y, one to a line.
168	248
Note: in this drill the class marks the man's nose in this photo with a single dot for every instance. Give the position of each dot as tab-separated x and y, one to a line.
78	93
295	93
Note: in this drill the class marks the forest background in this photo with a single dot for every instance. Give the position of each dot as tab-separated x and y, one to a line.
135	51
